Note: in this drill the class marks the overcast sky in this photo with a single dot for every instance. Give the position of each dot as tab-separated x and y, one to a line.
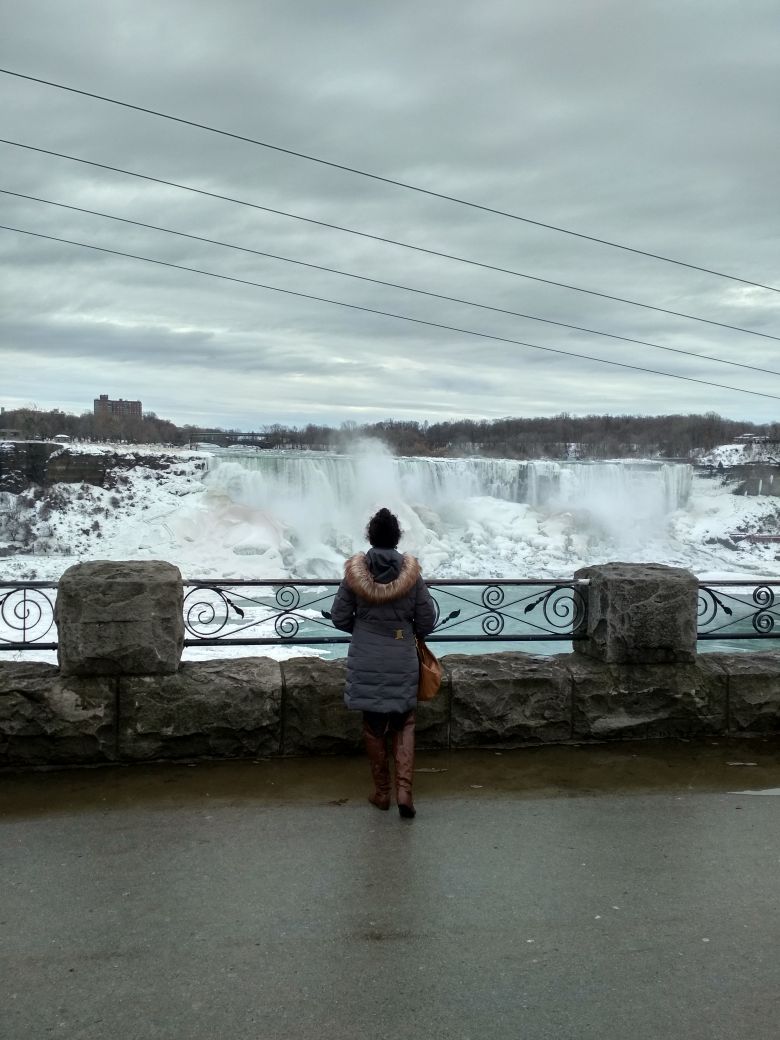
654	124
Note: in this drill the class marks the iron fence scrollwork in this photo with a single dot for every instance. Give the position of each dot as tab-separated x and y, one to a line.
27	615
273	612
739	610
248	612
512	611
298	611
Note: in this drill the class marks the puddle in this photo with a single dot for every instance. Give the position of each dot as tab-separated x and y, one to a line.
559	771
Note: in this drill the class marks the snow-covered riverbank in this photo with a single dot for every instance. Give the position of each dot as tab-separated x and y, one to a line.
268	515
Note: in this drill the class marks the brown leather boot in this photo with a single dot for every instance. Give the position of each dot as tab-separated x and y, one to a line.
376	748
403	753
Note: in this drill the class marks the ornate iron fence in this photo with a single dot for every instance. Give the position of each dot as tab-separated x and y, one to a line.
263	613
739	610
297	612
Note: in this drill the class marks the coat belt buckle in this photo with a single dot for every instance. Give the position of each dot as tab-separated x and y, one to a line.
399	633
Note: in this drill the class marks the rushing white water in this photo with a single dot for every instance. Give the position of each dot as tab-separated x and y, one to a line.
303	513
340	478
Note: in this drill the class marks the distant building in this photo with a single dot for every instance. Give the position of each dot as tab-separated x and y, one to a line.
124	409
754	438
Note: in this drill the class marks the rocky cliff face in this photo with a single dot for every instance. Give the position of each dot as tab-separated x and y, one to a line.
749	478
757	479
56	500
65	467
23	463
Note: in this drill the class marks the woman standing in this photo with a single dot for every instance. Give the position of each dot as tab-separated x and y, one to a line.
384	602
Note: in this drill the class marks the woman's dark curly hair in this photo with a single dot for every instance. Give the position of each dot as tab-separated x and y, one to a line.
384	531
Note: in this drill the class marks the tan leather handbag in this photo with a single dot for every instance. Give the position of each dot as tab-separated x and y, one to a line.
430	673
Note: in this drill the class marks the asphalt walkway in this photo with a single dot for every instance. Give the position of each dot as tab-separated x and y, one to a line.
612	893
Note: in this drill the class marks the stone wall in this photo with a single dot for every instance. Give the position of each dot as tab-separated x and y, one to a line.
255	707
121	693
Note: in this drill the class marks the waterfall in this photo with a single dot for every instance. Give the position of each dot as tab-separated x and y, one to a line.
302	513
345	478
335	480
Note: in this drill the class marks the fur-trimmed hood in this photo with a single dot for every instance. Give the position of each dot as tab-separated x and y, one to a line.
362	583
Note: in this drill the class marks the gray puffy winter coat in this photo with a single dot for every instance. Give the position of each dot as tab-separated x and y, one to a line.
384	603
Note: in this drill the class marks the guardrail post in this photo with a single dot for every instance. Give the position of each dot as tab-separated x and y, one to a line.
639	614
120	619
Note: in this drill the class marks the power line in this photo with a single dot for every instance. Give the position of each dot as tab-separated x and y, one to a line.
385	314
386	180
386	284
389	241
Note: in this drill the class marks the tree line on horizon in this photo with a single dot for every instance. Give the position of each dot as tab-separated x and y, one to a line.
595	436
36	424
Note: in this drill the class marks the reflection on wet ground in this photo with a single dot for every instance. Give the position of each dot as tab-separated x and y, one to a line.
597	892
554	772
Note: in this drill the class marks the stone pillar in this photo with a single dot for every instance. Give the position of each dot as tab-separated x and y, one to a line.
120	619
642	613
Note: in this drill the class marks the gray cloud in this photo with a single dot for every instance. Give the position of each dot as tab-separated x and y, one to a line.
652	124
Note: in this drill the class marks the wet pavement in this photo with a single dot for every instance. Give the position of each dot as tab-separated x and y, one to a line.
622	892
